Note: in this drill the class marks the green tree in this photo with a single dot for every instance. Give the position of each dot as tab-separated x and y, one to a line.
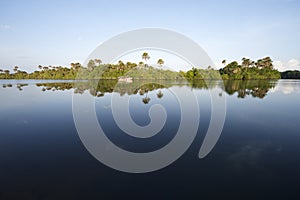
98	61
7	74
160	62
91	65
246	62
224	62
16	69
141	64
145	56
121	66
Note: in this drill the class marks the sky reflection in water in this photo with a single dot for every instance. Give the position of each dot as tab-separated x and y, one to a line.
42	156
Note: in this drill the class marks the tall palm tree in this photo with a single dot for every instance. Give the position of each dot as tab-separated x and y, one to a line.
160	62
267	62
73	65
224	62
91	65
98	61
259	63
246	62
16	68
141	64
146	57
121	65
6	74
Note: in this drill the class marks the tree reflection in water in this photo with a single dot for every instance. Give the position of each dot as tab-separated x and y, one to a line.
254	88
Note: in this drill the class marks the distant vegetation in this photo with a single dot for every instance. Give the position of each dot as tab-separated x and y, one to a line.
261	69
290	74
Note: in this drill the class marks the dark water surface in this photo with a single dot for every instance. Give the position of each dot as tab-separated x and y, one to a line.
257	155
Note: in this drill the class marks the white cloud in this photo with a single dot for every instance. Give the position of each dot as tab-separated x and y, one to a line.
5	27
292	64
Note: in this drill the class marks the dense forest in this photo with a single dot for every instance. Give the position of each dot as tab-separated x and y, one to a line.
95	69
246	70
290	74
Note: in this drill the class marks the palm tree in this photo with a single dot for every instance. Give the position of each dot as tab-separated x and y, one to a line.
129	65
121	65
160	62
6	74
91	65
267	62
146	57
141	64
246	62
99	61
224	62
73	65
259	63
16	68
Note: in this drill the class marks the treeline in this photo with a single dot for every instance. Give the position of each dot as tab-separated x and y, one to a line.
96	70
249	70
43	72
290	74
261	69
246	70
102	71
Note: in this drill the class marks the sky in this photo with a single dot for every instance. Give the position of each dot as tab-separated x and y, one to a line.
60	32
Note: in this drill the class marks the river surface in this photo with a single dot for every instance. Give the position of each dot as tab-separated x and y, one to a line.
257	155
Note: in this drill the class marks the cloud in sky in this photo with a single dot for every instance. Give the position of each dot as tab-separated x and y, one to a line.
5	26
292	64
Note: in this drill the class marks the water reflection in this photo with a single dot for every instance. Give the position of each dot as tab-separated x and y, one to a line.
19	86
258	88
258	148
254	88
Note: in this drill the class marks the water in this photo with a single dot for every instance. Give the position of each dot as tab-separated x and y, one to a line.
257	155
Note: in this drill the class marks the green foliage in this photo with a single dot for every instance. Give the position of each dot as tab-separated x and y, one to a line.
261	69
290	74
255	88
160	62
247	70
202	74
98	88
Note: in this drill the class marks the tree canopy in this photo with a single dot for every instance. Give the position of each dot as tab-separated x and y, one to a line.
95	69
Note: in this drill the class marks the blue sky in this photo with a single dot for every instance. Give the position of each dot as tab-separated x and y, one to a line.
59	32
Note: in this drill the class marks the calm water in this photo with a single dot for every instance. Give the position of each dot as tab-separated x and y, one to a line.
257	155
